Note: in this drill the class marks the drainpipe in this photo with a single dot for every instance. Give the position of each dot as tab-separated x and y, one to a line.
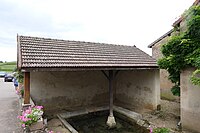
111	119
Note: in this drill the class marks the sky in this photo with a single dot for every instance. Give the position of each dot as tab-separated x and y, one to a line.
125	22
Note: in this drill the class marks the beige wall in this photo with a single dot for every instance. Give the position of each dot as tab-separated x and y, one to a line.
156	52
70	90
138	90
190	102
165	83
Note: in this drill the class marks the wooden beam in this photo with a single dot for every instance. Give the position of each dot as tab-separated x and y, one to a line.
105	74
27	88
111	76
116	73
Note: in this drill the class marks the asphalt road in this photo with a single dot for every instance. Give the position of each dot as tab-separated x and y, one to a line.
9	108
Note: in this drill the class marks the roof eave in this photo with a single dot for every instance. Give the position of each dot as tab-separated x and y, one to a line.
160	38
19	58
43	69
177	22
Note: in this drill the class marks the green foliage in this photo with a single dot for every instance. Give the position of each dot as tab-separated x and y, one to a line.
175	90
19	76
183	50
161	130
22	92
7	66
31	115
195	78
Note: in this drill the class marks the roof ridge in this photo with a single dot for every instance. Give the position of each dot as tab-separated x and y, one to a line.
102	43
145	53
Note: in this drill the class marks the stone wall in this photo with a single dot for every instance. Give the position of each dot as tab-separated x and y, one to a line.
138	90
165	83
190	102
72	90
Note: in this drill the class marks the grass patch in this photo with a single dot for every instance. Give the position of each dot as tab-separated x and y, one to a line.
8	66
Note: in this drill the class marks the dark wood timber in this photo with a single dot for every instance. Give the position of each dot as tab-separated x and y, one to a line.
116	73
105	74
111	78
27	88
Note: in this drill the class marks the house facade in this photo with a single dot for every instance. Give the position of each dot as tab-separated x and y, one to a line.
189	99
165	83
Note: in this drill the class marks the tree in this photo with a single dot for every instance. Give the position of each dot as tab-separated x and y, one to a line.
183	50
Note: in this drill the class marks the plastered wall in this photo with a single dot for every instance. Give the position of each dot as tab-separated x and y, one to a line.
72	90
69	89
138	90
190	102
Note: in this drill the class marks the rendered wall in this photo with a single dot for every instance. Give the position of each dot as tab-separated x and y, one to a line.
165	83
190	102
138	90
69	90
72	90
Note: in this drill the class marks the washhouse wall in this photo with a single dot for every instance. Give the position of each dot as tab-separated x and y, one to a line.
138	90
74	90
69	90
190	102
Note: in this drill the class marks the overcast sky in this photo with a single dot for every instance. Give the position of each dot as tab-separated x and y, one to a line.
126	22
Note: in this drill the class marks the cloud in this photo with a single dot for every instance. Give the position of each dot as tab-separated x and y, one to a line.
110	21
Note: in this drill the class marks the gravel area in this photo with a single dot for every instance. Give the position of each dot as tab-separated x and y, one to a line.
168	116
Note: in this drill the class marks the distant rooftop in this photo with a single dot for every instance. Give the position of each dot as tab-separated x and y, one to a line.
160	38
177	22
36	52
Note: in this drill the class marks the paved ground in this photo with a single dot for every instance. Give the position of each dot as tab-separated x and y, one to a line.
9	108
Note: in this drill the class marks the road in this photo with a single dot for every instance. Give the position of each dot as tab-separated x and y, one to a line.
9	108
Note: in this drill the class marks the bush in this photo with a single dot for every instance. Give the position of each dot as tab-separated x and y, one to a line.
161	130
31	115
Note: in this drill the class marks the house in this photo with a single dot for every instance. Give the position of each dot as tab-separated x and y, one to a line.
62	74
189	99
165	83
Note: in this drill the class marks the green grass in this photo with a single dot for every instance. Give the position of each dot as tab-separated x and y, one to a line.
8	66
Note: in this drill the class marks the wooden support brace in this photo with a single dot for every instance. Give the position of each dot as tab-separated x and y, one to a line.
105	74
27	88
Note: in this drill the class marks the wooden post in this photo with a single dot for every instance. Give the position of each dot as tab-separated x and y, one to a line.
27	88
111	119
111	92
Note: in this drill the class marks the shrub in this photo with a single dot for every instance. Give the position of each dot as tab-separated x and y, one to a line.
31	115
161	130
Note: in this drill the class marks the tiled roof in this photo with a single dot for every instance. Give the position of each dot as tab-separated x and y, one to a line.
35	52
160	38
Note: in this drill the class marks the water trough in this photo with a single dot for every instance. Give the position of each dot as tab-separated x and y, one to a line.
90	119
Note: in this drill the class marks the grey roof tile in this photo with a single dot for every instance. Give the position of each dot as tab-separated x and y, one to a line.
35	52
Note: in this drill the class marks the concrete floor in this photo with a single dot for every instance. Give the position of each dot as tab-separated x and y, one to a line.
9	108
